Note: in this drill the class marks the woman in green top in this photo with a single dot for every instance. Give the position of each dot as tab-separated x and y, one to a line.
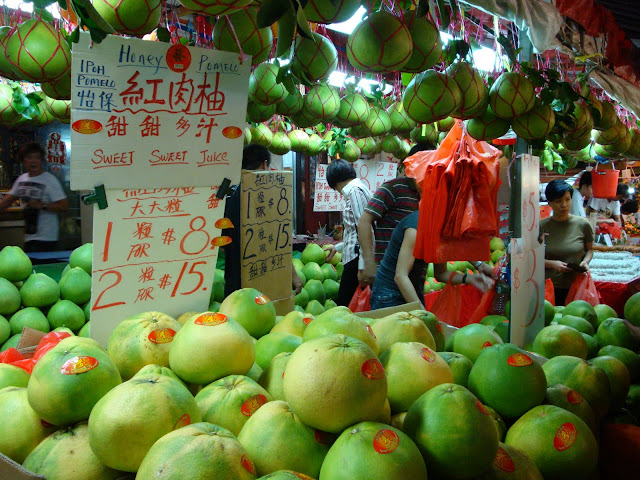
568	240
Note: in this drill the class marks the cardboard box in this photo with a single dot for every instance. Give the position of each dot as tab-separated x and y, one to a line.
28	342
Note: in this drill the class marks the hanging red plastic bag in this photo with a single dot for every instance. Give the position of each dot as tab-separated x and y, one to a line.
549	292
584	288
361	300
448	305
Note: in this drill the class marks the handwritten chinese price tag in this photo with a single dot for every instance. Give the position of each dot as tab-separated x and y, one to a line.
527	294
530	208
266	234
138	105
153	250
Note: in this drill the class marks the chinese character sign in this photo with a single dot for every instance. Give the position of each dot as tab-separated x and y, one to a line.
266	232
153	249
138	105
530	213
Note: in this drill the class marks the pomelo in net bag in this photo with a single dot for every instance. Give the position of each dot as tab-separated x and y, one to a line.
6	69
536	123
400	120
329	11
261	135
367	145
59	89
254	41
280	143
314	58
291	104
378	122
487	126
8	113
354	109
216	7
427	45
264	88
425	133
299	140
511	95
608	118
322	101
475	94
431	96
257	112
132	17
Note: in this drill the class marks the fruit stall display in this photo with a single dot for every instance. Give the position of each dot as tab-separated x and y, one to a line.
614	266
328	396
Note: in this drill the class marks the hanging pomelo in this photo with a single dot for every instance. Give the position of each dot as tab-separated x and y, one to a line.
303	119
260	113
133	17
315	145
330	11
367	145
582	117
291	104
7	112
623	145
403	152
247	136
261	135
425	133
59	89
280	144
314	58
614	134
431	96
378	122
427	46
216	7
608	118
351	151
536	123
243	25
380	43
511	95
299	140
360	131
634	145
604	151
6	69
445	124
38	51
263	85
400	121
391	144
60	109
487	126
475	95
354	109
577	140
322	101
44	117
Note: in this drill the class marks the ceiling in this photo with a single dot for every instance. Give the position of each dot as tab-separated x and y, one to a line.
627	15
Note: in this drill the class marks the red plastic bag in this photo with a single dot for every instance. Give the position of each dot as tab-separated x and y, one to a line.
584	288
448	305
549	292
484	308
361	301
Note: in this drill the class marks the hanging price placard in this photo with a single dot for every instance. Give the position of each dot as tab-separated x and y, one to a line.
530	208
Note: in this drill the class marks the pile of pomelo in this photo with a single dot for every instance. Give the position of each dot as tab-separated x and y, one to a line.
241	393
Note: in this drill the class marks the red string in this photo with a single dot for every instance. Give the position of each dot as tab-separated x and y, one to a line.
243	56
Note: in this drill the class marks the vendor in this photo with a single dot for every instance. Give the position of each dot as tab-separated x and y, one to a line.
568	240
609	210
581	195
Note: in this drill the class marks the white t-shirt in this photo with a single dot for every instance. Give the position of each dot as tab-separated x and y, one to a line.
577	204
605	208
44	188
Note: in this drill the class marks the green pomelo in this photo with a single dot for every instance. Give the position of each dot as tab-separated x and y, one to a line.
242	28
493	320
263	85
630	359
327	11
315	290
274	343
487	126
65	313
85	331
229	348
313	253
15	265
6	69
59	89
475	95
291	104
12	376
260	113
253	310
508	380
322	101
623	145
299	140
587	379
22	429
197	452
280	144
500	424
8	113
231	401
613	331
334	381
157	370
39	290
454	432
38	51
575	142
431	96
391	144
631	309
31	317
140	340
557	340
569	399
459	365
255	372
378	122
580	308
66	455
11	343
511	95
511	463
354	109
412	369
427	45
400	120
381	42
633	400
560	443
340	321
315	145
272	378
619	380
302	298
608	117
351	151
59	109
634	146
432	323
536	123
293	323
401	327
425	133
303	119
472	339
578	323
367	145
70	379
131	17
216	7
126	422
329	304
549	313
592	345
380	451
276	438
314	59
329	272
331	288
261	135
616	134
314	307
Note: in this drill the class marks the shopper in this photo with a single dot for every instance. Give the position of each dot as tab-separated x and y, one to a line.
342	177
568	240
392	202
254	157
609	210
41	197
581	195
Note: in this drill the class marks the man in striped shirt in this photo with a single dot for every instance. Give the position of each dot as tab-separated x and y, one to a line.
341	176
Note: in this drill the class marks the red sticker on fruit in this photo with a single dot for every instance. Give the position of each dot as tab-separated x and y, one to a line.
565	437
161	335
428	354
370	330
248	464
481	407
86	126
262	299
574	397
252	404
385	441
232	132
79	364
503	461
487	344
183	421
210	319
307	320
373	369
519	360
178	58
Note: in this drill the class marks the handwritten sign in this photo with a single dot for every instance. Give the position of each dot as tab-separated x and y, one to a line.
530	209
527	293
266	232
373	173
138	106
153	249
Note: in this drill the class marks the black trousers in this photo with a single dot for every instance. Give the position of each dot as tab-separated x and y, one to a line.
348	283
561	296
39	246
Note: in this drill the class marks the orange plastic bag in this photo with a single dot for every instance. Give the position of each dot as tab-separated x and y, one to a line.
584	288
549	292
447	307
361	300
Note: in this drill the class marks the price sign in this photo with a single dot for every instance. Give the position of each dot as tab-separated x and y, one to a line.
530	208
152	114
266	232
527	294
154	249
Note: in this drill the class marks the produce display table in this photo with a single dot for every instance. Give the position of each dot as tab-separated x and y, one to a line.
49	257
616	294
